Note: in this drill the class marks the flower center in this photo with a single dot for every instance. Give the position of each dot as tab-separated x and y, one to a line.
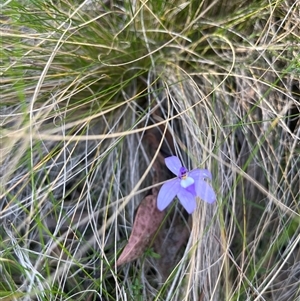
183	173
185	180
188	181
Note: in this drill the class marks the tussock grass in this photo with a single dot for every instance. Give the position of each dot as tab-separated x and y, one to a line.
83	82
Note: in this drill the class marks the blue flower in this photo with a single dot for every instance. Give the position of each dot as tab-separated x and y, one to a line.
187	186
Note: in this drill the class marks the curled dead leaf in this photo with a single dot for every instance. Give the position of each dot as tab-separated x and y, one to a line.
147	221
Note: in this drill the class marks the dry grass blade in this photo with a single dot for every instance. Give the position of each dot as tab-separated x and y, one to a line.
94	94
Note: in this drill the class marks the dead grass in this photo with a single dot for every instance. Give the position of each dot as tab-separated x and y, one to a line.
85	86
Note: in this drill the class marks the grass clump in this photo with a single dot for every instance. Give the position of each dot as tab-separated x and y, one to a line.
94	93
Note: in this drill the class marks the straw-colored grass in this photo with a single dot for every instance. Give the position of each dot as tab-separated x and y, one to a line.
93	93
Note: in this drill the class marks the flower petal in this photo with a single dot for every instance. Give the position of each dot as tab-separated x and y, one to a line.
187	182
167	193
200	174
187	200
191	189
174	164
205	191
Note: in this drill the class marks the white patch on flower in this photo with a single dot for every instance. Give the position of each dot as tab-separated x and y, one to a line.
188	181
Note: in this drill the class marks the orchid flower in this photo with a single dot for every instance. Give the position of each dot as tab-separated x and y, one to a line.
187	186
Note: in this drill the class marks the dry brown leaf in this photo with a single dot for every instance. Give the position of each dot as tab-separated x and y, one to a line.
147	221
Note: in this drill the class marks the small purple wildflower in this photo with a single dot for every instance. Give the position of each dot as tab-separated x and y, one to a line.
187	186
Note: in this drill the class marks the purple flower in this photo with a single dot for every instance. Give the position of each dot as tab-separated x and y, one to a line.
187	186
